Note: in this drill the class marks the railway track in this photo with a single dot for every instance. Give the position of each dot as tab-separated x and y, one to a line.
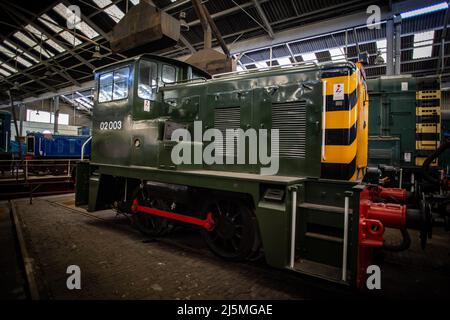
182	245
179	241
27	262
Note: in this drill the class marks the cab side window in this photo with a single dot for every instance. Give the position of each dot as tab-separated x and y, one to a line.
148	73
114	85
169	74
120	90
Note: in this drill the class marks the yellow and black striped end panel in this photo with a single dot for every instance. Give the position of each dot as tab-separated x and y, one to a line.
427	144
339	171
428	94
428	103
421	160
427	111
341	129
428	128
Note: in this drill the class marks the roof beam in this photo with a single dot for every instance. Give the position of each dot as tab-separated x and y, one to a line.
62	72
89	22
77	104
443	37
48	35
187	44
263	17
64	91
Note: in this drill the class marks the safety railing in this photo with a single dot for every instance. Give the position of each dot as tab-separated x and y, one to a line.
23	170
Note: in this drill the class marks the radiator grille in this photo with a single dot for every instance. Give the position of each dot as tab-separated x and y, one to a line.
380	153
227	118
290	119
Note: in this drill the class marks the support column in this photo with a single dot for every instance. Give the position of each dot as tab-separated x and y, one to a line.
390	47
398	43
22	116
56	113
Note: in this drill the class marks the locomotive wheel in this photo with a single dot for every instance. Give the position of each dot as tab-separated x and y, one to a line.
235	234
147	224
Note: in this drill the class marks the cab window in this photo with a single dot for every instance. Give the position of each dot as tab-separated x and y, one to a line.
148	73
114	85
169	74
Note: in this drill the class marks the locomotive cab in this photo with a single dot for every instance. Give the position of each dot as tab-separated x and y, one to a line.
126	103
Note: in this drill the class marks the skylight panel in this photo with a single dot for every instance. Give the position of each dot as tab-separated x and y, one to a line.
381	45
8	67
19	35
337	54
309	57
261	64
112	10
70	38
284	61
16	49
11	54
64	12
423	44
42	36
55	46
4	72
425	10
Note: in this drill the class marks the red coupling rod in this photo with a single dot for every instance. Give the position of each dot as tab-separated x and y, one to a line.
207	224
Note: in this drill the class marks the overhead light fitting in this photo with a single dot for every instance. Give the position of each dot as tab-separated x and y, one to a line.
96	54
183	24
379	58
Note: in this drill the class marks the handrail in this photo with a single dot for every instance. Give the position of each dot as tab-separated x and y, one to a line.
297	65
83	146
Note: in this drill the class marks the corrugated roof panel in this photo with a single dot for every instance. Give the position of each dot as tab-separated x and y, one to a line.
11	54
64	12
278	10
423	22
70	38
8	67
38	35
31	43
20	51
111	10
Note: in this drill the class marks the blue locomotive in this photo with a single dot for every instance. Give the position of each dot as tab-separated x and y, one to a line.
56	146
52	149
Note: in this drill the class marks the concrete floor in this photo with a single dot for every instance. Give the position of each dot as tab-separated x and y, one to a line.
117	262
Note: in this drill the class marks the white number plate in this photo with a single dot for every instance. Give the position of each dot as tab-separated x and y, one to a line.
111	125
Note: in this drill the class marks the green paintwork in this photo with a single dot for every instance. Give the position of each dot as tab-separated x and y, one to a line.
118	162
392	120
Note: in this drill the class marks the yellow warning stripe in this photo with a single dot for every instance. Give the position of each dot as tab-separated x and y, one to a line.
340	119
428	127
340	154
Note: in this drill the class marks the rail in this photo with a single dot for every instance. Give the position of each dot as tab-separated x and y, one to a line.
84	146
295	65
23	170
30	178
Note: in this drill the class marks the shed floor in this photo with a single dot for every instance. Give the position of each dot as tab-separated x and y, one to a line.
117	262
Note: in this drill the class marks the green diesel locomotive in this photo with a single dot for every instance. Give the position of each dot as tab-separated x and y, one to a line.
285	184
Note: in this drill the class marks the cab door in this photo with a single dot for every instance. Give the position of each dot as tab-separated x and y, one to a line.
112	116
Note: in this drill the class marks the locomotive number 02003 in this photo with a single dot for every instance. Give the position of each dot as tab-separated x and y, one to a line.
110	125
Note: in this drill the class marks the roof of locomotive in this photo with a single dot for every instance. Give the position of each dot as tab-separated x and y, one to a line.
269	71
155	57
